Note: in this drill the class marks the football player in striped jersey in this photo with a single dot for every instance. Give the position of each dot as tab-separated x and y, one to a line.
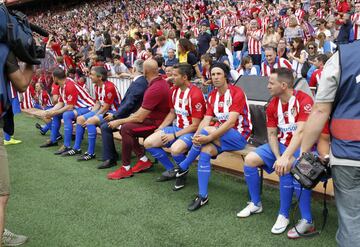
107	100
188	107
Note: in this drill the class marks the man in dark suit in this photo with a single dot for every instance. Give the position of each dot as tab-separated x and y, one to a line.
131	103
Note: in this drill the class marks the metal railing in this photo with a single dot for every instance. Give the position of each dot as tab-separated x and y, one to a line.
121	84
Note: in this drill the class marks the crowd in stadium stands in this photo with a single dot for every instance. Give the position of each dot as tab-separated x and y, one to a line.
165	46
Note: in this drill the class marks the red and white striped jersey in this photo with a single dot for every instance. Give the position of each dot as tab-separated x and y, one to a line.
264	23
254	46
285	21
355	18
320	13
223	21
300	13
109	94
195	30
82	67
187	105
44	99
107	66
229	31
13	91
286	116
279	63
233	100
315	78
27	101
73	94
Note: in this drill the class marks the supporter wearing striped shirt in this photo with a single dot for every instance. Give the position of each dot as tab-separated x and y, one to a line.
42	101
74	101
187	108
107	101
254	35
42	98
229	105
272	61
286	116
355	18
319	63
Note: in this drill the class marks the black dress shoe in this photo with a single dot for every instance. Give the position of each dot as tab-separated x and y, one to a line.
107	164
117	157
49	144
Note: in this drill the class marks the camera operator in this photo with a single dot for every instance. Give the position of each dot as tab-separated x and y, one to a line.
20	80
337	96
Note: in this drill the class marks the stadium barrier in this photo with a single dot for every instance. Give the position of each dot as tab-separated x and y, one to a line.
121	84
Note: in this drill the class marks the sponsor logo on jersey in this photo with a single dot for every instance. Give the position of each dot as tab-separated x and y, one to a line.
181	112
288	128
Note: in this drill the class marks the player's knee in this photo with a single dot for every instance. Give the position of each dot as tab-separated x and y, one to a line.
209	129
177	149
80	120
148	143
209	149
252	159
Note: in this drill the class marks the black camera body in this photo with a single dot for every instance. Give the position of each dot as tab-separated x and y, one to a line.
309	170
17	33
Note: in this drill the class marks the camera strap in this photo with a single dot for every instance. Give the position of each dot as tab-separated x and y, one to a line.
325	213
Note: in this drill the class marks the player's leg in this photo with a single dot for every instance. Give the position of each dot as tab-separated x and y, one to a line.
180	147
260	157
194	152
81	115
54	134
286	194
47	125
305	225
92	122
154	144
204	172
68	118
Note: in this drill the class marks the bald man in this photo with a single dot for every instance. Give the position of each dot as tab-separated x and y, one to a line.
142	123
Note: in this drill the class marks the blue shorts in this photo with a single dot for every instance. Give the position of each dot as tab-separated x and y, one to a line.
268	157
100	116
232	140
185	138
82	111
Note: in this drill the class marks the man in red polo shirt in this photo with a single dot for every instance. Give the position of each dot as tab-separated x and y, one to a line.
143	122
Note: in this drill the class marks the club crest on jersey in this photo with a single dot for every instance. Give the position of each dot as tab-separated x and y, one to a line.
308	107
109	95
198	106
69	98
293	112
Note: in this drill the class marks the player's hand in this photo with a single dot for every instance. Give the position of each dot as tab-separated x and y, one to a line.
201	139
109	117
166	138
282	165
85	124
47	114
113	124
